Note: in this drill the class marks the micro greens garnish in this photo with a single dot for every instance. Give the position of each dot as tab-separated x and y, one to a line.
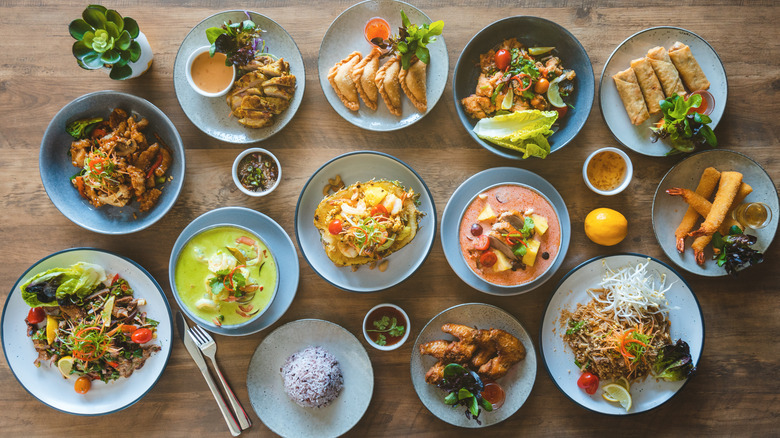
412	40
239	41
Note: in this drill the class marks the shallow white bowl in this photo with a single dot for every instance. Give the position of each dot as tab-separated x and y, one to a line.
197	89
387	347
626	178
241	186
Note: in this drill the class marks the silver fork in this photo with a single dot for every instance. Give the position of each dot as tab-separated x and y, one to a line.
209	349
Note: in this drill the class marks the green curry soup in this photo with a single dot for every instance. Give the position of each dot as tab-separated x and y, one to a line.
220	277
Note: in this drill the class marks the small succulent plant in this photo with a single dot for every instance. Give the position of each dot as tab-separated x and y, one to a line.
105	39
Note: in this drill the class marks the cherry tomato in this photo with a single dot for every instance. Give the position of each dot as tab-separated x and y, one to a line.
127	328
36	315
562	111
488	259
503	58
379	210
82	385
482	243
141	336
589	382
335	227
541	85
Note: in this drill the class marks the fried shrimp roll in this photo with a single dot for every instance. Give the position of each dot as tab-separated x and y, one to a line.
707	183
727	191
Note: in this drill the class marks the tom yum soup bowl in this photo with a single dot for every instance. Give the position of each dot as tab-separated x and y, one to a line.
607	171
208	75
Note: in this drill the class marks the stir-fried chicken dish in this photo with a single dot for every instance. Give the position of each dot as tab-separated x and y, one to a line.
263	91
117	161
490	352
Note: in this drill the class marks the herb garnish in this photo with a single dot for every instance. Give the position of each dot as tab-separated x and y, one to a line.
239	41
734	251
575	326
387	325
685	131
412	40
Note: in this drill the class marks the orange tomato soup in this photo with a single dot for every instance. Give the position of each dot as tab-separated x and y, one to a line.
210	73
504	198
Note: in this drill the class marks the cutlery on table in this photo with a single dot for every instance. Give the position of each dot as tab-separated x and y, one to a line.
183	328
209	349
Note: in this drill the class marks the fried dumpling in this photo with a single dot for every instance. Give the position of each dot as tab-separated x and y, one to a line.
388	85
413	83
340	79
364	74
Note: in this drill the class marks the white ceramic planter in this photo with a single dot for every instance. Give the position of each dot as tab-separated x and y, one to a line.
144	62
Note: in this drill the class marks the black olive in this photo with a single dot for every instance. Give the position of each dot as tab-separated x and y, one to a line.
476	229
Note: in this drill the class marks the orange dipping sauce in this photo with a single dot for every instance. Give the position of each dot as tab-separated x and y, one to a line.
377	27
606	171
210	74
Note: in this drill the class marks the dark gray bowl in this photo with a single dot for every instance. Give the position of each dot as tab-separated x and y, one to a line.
530	31
56	168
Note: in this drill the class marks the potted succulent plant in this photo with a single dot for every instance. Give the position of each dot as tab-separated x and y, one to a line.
105	39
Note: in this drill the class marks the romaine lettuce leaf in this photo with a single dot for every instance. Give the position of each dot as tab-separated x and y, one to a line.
46	288
523	131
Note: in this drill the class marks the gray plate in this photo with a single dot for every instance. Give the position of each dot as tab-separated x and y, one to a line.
56	169
637	137
266	387
668	210
277	241
212	114
345	35
517	383
461	198
354	167
531	31
686	319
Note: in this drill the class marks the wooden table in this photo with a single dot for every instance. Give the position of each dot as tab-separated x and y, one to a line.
736	389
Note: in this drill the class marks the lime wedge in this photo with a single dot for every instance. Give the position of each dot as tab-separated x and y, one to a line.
539	50
553	95
619	394
508	98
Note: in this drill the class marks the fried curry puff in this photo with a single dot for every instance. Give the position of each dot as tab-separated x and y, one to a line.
366	222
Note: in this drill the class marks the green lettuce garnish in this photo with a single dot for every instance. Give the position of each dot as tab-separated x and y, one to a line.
46	288
524	131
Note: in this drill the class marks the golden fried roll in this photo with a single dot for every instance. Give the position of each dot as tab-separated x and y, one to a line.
690	71
389	87
701	242
727	191
649	84
340	79
413	82
666	71
631	95
364	74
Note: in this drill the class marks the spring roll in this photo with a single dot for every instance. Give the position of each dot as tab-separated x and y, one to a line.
649	84
629	91
691	73
666	72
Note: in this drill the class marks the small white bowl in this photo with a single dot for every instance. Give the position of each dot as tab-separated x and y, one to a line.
397	344
238	182
626	178
188	71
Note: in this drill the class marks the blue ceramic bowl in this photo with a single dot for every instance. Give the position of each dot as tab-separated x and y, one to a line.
530	31
56	168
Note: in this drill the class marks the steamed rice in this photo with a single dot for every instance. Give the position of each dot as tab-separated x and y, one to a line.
312	377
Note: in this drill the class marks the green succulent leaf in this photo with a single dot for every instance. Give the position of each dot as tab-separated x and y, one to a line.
88	38
124	58
135	51
92	61
78	28
112	30
114	17
110	57
100	8
102	42
123	43
120	72
131	26
95	17
80	50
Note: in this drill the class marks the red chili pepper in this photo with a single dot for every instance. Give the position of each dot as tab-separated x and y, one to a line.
114	280
113	364
519	77
154	167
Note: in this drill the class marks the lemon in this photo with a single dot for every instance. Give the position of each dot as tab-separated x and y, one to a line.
65	365
622	381
606	226
619	394
51	328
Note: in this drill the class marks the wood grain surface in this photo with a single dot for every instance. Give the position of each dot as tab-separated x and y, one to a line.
736	391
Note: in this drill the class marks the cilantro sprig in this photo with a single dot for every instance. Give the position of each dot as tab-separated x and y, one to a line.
412	40
387	325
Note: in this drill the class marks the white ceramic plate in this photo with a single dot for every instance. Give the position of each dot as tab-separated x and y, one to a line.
212	114
266	387
668	210
687	324
517	383
636	46
46	383
354	167
277	241
346	35
462	197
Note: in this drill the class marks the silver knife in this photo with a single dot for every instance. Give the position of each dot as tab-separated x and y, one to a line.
197	356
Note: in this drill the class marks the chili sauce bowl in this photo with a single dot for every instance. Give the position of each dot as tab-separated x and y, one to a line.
237	178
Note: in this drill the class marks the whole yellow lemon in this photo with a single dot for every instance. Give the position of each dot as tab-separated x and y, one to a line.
606	226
